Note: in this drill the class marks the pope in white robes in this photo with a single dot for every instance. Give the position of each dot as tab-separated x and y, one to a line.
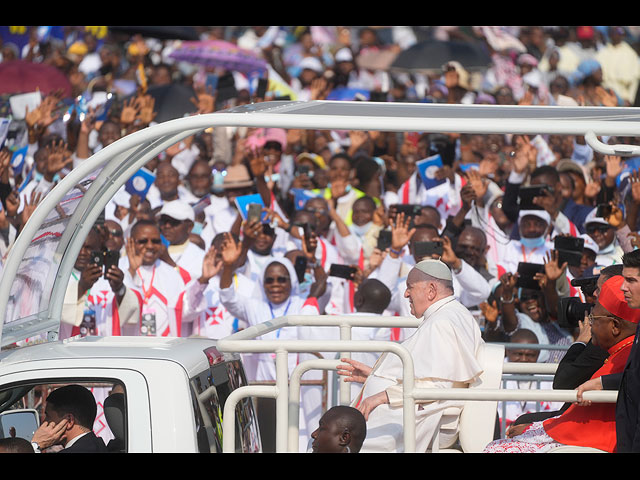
444	349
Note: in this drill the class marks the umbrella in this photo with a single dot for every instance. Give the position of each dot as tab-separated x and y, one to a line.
171	101
21	76
376	59
431	55
159	32
346	93
218	53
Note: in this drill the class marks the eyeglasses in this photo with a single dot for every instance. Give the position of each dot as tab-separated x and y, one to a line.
591	317
272	280
115	233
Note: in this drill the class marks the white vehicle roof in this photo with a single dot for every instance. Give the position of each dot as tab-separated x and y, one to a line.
188	352
40	262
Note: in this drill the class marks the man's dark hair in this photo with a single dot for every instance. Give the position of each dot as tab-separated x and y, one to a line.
15	445
142	223
372	296
612	270
548	171
351	419
76	400
631	259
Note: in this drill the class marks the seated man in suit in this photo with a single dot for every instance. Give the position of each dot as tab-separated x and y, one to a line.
69	416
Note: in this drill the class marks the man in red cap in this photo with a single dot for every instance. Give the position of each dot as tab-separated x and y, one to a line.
613	326
627	381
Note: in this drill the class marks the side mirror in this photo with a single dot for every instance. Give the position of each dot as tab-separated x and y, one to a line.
19	423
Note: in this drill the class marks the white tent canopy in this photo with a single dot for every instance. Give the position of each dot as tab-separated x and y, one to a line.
40	262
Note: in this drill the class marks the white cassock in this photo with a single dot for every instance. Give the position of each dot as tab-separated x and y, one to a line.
165	301
515	252
188	258
444	349
110	319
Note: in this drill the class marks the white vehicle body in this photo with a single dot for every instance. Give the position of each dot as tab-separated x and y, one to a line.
39	264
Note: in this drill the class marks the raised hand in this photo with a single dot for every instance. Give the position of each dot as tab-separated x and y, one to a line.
552	269
490	311
353	371
230	250
211	265
135	259
59	157
400	232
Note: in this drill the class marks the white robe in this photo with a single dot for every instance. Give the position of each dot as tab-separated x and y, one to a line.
444	350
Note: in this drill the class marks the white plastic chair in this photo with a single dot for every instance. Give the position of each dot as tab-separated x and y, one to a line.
477	420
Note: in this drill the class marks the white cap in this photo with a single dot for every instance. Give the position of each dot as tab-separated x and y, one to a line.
311	63
592	218
543	214
435	268
589	243
178	210
344	55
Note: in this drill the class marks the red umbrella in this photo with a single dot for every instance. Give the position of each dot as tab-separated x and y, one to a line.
20	76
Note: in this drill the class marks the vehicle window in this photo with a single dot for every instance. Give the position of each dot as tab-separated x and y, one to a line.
23	410
211	390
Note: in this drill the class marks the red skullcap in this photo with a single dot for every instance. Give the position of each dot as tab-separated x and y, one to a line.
612	299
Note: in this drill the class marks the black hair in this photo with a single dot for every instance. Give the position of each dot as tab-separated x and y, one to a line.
375	296
367	199
546	170
76	400
366	169
352	419
144	222
631	259
15	445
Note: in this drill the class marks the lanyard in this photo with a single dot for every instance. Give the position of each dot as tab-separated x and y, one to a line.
285	314
524	255
86	297
147	293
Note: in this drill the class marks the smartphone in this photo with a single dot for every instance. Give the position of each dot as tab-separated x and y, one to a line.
226	89
111	257
572	258
410	210
603	210
97	258
384	240
526	274
300	267
261	90
572	244
342	271
527	194
427	249
254	212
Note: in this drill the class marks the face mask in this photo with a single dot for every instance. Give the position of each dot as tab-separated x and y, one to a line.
361	230
532	242
197	228
305	285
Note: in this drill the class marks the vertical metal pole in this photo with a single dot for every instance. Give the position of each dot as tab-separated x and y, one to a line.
282	400
345	387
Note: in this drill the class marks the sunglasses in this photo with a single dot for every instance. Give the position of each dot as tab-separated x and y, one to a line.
598	228
272	280
144	241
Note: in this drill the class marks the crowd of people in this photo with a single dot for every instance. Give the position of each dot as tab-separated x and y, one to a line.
190	261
